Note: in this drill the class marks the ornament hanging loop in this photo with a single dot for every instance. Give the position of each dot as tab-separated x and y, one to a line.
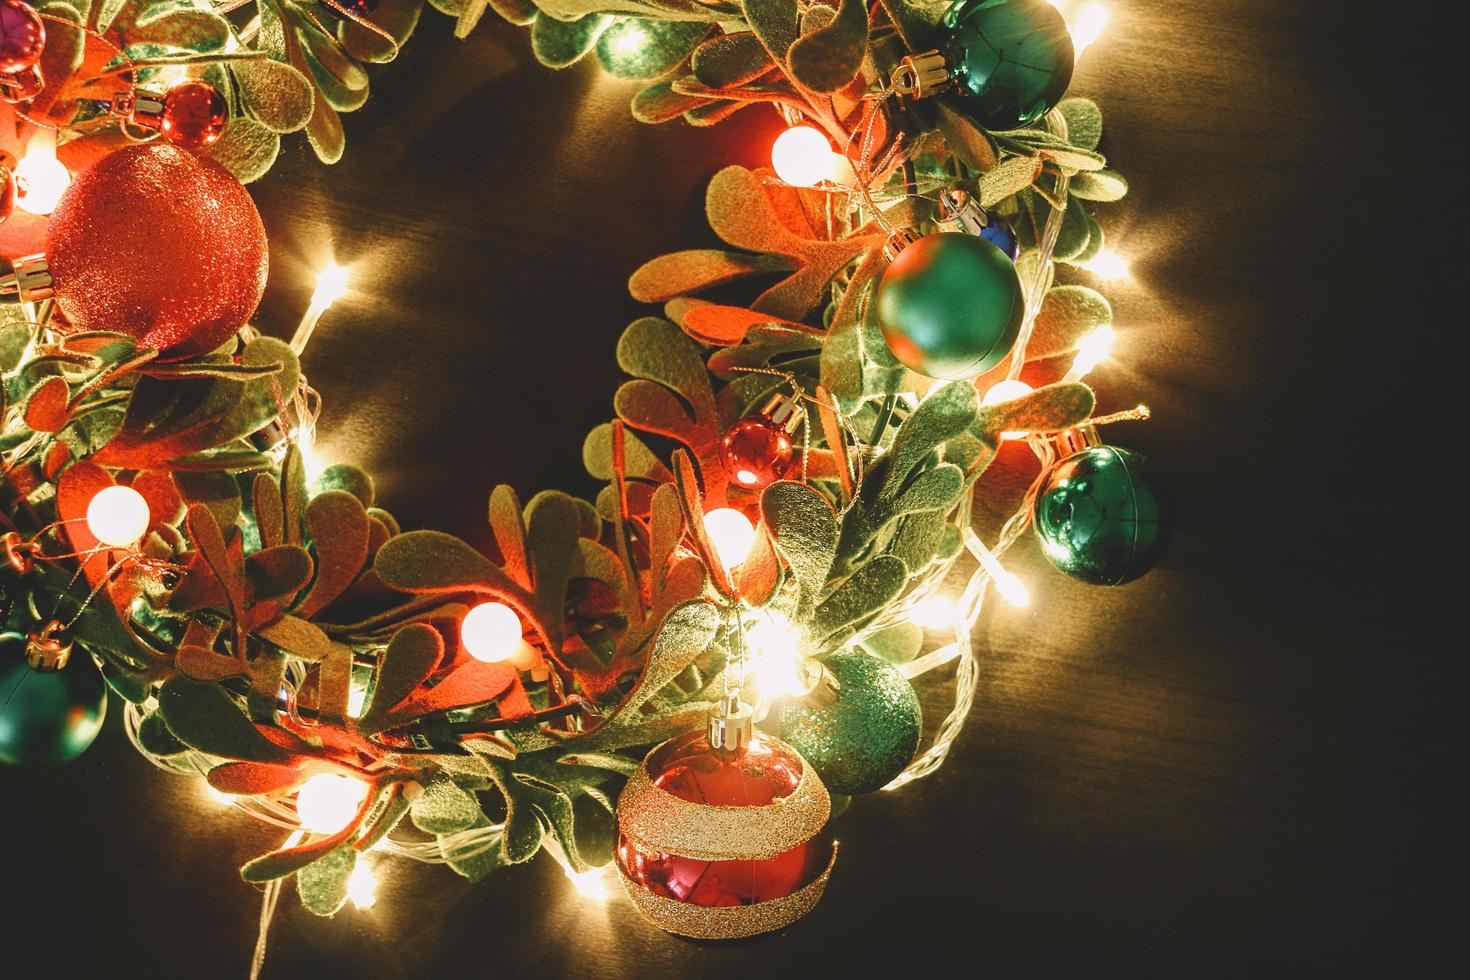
18	553
48	648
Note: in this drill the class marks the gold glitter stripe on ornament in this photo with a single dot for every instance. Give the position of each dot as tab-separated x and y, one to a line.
727	921
657	820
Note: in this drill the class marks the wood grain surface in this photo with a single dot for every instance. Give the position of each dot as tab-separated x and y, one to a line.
1206	772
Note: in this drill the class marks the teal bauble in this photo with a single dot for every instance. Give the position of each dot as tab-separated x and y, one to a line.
863	739
1098	516
1010	60
950	306
48	717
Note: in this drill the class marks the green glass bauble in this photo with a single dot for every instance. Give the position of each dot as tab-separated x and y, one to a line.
866	737
1098	516
950	305
1010	60
48	717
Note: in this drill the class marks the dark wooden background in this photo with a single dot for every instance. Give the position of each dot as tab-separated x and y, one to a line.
1208	771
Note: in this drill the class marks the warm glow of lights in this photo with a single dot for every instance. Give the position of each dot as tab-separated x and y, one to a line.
1109	265
331	285
491	632
326	804
802	156
362	886
732	535
590	884
934	612
223	799
774	646
118	516
630	40
1092	351
40	180
1007	583
356	698
1005	391
1086	24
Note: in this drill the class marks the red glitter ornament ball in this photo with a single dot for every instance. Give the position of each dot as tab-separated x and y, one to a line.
194	115
756	452
22	36
161	244
766	773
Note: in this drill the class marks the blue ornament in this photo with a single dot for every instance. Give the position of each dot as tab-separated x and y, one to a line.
998	232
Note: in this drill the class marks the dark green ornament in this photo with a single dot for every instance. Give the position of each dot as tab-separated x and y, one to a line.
1098	516
950	305
1010	60
865	738
48	717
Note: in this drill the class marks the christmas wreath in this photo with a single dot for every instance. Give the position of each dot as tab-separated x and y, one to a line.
681	678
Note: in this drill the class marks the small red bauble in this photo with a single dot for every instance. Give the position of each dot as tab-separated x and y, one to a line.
161	244
22	36
757	450
717	844
194	115
7	185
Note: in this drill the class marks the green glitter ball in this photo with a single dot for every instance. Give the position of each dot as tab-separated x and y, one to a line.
866	737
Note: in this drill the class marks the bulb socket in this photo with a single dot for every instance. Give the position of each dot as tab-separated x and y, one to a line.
25	280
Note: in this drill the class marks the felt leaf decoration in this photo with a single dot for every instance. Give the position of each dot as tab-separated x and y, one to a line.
966	138
280	863
726	326
256	778
639	460
1050	408
654	350
156	739
444	808
277	572
215	490
324	132
337	525
826	59
322	884
476	861
204	717
775	22
946	412
297	636
640	48
247	149
510	533
432	561
693	270
46	409
1067	315
1084	122
275	94
519	12
805	530
398	18
859	599
1099	185
659	103
726	60
898	644
472	683
1008	177
558	44
686	633
348	478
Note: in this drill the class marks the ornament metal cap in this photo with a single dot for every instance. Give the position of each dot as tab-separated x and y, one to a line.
898	240
824	686
23	85
25	280
145	108
919	76
730	725
961	212
784	410
48	648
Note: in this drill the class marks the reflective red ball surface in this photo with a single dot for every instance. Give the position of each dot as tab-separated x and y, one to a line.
194	115
756	452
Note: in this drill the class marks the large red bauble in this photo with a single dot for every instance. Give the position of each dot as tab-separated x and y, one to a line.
22	36
689	769
160	244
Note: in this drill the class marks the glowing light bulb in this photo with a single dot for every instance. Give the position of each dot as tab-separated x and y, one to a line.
1091	352
731	533
331	285
776	661
1007	583
118	516
1109	265
1005	391
223	799
802	156
590	884
362	886
491	632
326	804
934	612
629	40
1086	25
40	180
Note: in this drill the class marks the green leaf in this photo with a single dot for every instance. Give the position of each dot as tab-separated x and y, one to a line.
1084	122
1099	185
828	58
247	149
277	572
1010	176
775	22
558	44
945	413
348	478
898	644
155	737
1050	408
730	59
639	48
659	103
322	884
685	634
405	663
337	524
217	491
694	270
276	94
204	717
966	138
444	808
432	561
476	861
874	585
804	527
